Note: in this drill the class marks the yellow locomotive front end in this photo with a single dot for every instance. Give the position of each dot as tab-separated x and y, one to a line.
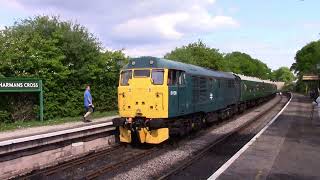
143	105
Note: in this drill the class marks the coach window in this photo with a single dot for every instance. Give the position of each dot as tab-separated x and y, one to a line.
125	76
157	76
173	77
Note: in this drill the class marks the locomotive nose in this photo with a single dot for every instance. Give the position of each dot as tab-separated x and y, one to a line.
141	98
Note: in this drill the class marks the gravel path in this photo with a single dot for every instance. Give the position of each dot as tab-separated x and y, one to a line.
152	168
50	128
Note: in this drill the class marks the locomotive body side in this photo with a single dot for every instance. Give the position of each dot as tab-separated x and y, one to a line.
158	98
157	95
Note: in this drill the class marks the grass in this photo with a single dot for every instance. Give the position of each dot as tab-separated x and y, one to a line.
37	123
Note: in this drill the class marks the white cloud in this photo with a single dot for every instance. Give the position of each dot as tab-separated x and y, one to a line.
135	23
172	26
151	27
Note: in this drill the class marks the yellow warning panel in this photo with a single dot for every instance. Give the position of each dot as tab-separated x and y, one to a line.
125	135
157	136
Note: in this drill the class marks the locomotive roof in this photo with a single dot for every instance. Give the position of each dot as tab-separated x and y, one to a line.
153	62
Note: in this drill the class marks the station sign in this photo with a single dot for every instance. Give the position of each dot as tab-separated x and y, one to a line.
19	85
310	77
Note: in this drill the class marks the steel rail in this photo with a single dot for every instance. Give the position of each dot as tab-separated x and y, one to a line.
136	156
72	163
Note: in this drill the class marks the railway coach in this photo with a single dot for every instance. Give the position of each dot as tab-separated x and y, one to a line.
158	98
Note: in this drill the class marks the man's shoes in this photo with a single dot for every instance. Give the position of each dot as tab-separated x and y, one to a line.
85	120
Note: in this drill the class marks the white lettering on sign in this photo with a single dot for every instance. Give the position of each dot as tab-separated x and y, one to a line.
173	93
31	85
18	85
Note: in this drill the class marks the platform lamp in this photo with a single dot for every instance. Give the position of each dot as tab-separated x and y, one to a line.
318	70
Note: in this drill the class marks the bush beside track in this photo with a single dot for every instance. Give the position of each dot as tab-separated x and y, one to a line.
66	57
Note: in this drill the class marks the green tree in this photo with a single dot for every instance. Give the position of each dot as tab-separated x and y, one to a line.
197	53
283	74
307	58
200	54
242	63
66	57
306	61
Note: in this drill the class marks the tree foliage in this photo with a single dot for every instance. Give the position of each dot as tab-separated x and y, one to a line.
66	57
242	63
197	53
307	58
200	54
306	61
283	74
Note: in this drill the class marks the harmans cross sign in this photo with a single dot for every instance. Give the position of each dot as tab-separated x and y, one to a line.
23	85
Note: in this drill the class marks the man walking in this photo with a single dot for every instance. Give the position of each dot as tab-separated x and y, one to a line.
89	108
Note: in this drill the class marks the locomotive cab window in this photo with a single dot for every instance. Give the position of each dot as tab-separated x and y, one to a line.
172	77
176	77
141	73
125	76
157	76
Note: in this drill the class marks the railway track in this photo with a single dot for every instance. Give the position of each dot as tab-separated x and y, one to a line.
107	168
118	155
114	158
70	164
184	165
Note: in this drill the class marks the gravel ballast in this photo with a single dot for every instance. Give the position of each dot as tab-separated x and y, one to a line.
152	168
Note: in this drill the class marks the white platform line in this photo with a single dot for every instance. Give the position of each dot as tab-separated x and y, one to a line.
226	165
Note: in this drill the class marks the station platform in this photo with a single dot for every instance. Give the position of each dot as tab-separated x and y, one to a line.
33	131
25	150
288	149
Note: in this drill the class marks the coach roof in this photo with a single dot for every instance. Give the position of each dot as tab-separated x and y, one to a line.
153	62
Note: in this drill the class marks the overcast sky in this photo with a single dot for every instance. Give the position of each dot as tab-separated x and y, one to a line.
270	30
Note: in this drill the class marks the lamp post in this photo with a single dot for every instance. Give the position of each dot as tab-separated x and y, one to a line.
317	82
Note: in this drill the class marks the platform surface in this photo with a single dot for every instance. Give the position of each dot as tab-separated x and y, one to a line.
288	149
59	128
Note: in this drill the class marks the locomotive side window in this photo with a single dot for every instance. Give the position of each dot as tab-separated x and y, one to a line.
182	78
157	76
125	76
210	80
141	73
173	77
